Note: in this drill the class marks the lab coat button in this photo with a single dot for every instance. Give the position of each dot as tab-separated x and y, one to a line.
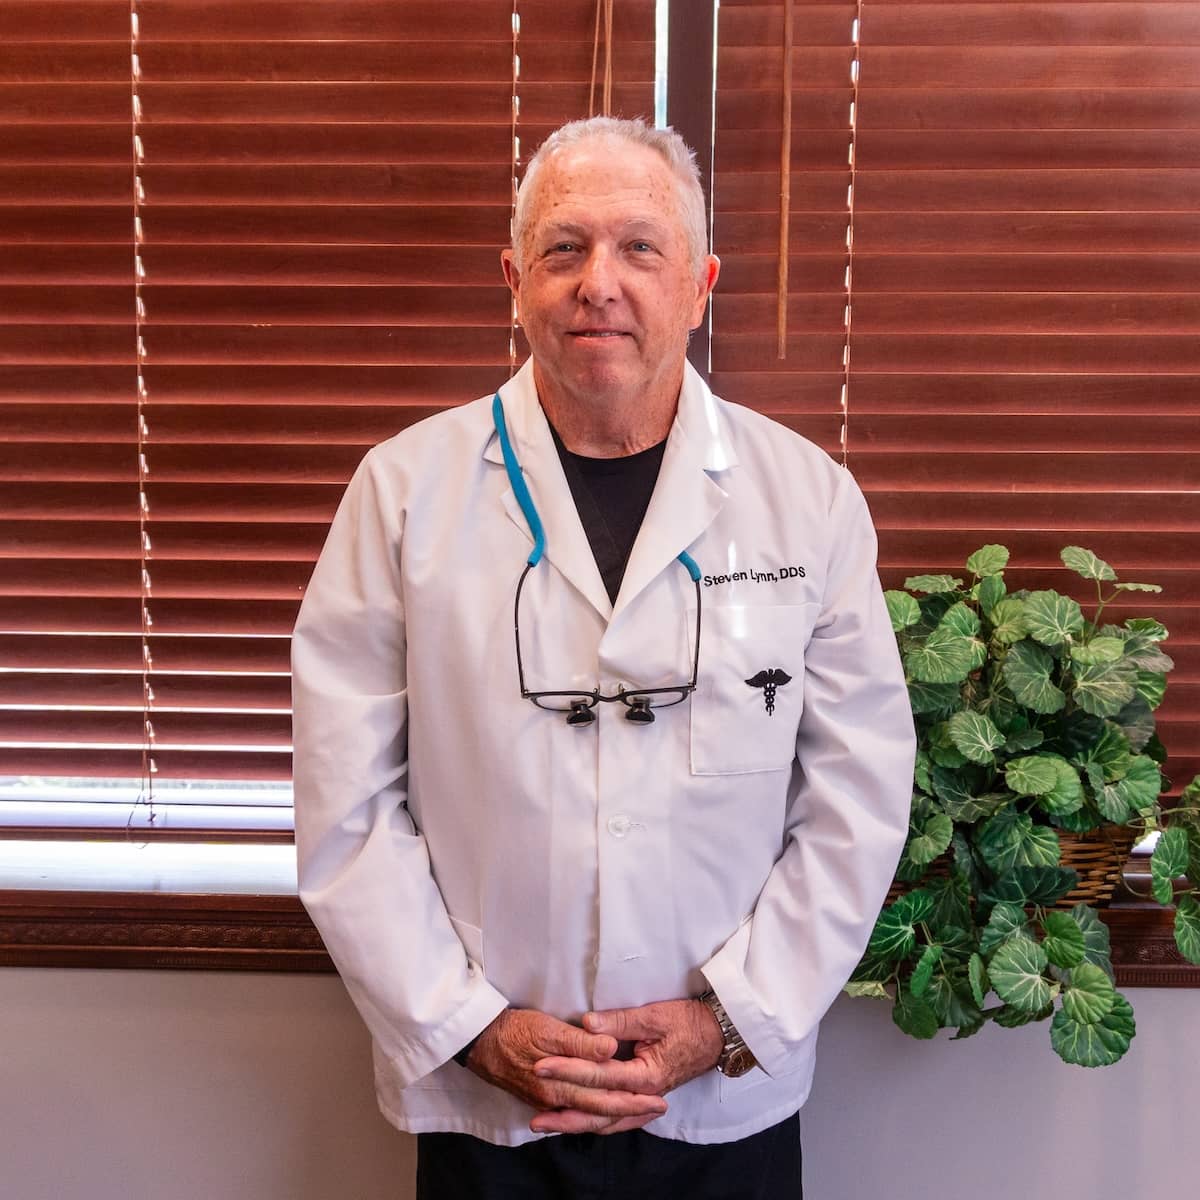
618	826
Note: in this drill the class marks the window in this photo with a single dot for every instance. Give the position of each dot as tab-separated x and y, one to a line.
324	188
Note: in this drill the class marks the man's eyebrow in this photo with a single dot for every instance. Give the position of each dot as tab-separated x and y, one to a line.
633	225
554	228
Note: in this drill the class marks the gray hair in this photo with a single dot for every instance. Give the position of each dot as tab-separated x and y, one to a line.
666	143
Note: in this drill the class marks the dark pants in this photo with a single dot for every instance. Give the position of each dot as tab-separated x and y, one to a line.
621	1166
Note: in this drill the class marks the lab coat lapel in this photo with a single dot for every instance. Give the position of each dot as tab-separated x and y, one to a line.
686	497
567	546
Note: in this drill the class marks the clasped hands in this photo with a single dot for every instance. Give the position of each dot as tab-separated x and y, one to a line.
570	1075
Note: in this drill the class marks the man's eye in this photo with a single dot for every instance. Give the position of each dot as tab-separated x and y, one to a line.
563	247
642	246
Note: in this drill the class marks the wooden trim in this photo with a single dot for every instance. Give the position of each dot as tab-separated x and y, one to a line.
138	834
273	933
145	931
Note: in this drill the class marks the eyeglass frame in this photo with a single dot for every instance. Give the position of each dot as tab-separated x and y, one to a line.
590	699
529	510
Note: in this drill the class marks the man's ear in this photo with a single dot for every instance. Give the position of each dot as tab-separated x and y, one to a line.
705	282
512	274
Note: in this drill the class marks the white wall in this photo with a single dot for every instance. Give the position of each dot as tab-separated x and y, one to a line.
129	1085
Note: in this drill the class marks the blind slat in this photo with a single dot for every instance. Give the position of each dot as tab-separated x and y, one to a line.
326	188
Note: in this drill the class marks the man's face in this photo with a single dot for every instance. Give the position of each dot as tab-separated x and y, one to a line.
606	292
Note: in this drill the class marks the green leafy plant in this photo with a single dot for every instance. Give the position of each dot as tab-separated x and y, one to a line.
1035	725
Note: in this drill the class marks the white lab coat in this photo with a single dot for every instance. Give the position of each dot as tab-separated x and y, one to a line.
461	850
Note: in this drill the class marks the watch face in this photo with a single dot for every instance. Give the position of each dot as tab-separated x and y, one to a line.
738	1063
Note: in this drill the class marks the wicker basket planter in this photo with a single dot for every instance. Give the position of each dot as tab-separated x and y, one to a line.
1098	858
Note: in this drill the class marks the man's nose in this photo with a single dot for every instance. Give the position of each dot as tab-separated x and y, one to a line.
599	282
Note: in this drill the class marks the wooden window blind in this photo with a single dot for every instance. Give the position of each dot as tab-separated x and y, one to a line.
324	189
1024	361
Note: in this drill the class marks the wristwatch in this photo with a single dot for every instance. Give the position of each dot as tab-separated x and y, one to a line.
736	1058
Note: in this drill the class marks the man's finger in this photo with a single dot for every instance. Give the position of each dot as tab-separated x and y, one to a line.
574	1120
595	1046
630	1075
602	1102
625	1024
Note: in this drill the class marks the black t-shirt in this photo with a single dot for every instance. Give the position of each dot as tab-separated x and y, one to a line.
612	495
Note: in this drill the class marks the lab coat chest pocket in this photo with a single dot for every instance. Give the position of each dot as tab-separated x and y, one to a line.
750	694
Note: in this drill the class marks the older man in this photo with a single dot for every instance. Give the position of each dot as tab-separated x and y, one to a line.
603	750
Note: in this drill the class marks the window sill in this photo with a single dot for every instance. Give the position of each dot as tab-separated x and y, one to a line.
273	933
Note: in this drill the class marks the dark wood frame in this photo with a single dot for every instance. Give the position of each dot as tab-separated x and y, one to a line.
273	933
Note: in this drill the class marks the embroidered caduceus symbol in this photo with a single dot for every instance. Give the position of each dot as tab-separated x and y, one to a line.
769	680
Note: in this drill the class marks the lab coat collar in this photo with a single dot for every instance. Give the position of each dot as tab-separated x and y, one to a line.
685	501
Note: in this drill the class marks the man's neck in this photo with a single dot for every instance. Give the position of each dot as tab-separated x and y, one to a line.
610	427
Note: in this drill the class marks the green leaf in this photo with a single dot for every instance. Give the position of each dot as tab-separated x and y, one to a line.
1063	942
1030	885
1013	1018
969	1030
932	838
1066	796
966	864
1187	928
951	1001
902	608
1103	689
1095	937
1098	650
940	698
1084	820
1033	775
988	560
951	907
977	976
1137	792
1027	669
942	748
1112	805
991	592
1169	860
921	771
1151	686
895	934
1099	743
914	1015
873	970
1052	619
1076	558
1025	739
1005	921
1136	720
1098	1045
1008	621
932	583
868	987
1016	970
1142	652
976	737
1147	627
1138	587
1089	996
923	972
944	657
1011	839
961	619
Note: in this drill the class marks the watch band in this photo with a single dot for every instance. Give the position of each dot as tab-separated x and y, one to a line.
462	1056
736	1058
